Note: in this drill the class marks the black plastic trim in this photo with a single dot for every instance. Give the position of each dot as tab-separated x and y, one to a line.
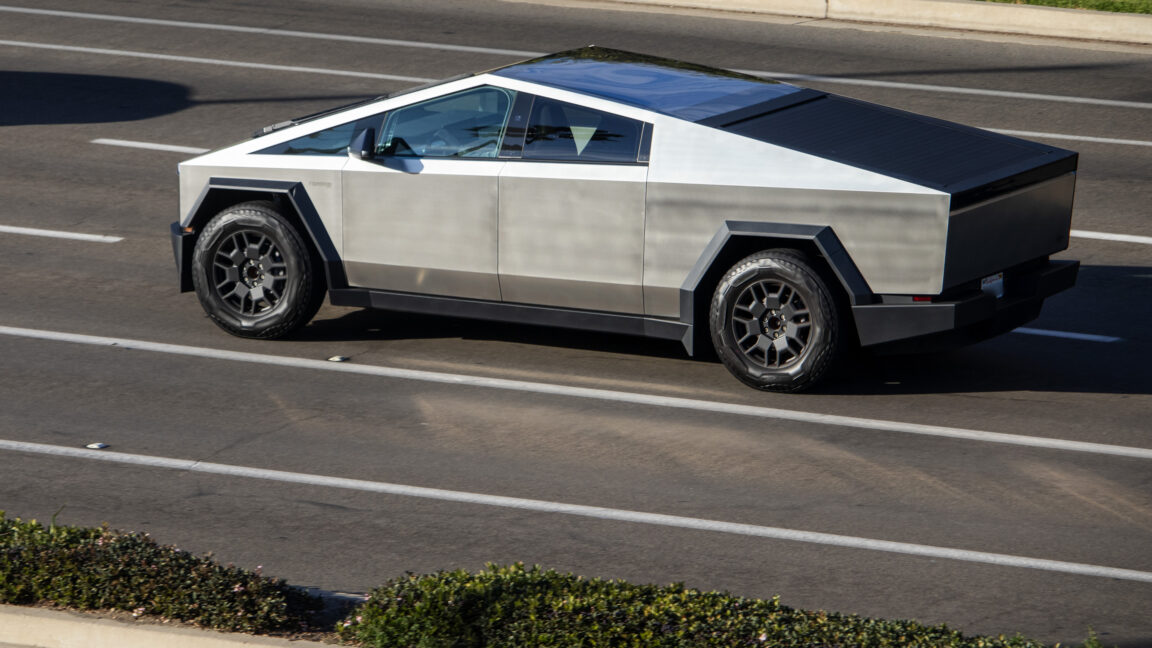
938	325
821	236
519	313
182	244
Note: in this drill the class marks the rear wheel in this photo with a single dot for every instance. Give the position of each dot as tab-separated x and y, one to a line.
253	272
774	322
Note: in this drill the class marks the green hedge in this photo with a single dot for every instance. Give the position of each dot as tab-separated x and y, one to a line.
86	569
1119	6
514	607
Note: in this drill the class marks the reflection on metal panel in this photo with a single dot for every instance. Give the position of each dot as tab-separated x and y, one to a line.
430	232
430	281
572	235
994	235
896	240
321	179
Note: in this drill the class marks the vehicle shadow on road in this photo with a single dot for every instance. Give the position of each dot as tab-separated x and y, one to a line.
381	325
1106	301
1110	301
29	98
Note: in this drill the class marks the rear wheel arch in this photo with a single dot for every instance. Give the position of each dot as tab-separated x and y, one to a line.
736	240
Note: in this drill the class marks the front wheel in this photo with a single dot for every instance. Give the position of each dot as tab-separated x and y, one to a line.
774	322
253	273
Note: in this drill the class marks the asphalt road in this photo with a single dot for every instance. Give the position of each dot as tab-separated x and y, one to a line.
1076	506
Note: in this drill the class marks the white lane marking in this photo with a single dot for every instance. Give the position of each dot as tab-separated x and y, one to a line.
1075	138
392	77
897	85
31	231
208	61
149	145
588	393
598	512
1087	337
528	54
274	32
1105	236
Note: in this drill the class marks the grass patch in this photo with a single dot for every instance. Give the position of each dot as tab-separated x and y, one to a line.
518	607
1118	6
96	569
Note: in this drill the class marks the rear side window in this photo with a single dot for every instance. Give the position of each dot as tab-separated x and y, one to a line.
562	131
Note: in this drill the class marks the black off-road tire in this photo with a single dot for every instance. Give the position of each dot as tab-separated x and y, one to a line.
254	274
774	322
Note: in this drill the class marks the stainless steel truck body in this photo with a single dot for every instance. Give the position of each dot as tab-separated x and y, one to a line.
612	191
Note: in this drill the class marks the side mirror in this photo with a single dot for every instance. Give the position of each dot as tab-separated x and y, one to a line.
363	144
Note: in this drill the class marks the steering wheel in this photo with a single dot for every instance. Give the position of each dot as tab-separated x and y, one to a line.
442	144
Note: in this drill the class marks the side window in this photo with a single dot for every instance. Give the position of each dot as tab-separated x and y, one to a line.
563	131
468	124
330	141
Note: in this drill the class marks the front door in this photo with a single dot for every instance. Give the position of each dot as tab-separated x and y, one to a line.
421	216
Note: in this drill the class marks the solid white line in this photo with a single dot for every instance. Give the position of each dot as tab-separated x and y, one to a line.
896	85
1105	236
273	32
1087	337
1075	138
597	512
149	145
208	61
528	54
589	393
30	231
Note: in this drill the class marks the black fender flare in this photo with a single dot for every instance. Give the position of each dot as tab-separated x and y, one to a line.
735	240
221	193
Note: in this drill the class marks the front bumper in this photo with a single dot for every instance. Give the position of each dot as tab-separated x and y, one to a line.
925	326
182	244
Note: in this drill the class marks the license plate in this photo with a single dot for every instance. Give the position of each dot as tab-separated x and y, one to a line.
993	285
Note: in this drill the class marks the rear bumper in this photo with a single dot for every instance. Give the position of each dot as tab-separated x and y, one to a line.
945	324
182	244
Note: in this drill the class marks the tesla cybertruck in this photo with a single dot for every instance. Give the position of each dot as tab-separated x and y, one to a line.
610	191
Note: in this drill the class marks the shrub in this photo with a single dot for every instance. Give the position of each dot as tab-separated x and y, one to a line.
514	607
87	568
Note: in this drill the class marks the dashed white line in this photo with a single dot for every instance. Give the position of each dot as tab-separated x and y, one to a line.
597	512
568	391
1107	236
31	231
1085	337
1074	138
528	54
1007	94
273	32
220	62
149	145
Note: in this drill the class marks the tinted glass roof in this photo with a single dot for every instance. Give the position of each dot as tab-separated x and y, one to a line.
684	90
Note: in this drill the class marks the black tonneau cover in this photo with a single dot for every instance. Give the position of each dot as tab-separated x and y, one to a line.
971	164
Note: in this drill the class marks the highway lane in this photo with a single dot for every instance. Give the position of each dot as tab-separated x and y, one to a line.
960	494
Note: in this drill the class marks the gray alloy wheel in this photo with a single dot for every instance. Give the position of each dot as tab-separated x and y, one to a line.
774	322
253	273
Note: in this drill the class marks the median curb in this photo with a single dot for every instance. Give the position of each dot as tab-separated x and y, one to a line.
971	15
44	628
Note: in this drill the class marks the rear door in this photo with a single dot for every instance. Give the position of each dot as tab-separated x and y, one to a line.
571	214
